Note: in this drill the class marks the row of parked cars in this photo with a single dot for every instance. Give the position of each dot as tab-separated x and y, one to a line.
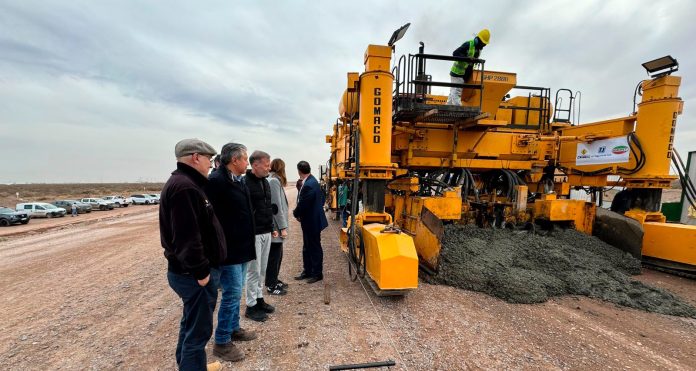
23	212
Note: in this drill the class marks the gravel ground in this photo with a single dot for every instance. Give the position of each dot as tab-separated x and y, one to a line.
521	267
94	296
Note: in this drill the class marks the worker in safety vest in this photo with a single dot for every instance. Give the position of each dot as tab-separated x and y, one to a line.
462	71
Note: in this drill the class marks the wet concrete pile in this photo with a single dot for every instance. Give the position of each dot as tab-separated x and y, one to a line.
522	267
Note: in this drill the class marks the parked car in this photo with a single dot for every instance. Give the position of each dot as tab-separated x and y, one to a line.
156	196
143	199
119	201
67	205
98	203
9	216
41	209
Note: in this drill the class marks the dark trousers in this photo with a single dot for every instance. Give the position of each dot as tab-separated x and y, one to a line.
196	325
345	212
312	254
275	257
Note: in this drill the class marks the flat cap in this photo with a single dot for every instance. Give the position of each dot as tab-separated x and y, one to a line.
193	145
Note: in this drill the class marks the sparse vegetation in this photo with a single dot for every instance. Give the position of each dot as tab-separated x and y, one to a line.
52	192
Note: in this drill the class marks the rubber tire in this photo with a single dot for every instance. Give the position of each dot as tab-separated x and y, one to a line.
50	215
102	207
25	222
4	222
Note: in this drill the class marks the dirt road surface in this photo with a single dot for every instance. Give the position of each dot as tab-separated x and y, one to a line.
94	295
38	225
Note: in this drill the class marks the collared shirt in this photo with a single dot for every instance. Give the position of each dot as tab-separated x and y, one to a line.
304	180
235	178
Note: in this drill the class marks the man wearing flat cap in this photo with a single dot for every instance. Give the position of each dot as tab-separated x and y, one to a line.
194	245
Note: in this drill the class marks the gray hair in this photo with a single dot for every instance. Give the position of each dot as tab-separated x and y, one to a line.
258	155
231	151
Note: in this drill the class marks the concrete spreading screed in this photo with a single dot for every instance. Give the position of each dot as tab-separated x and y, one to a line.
522	267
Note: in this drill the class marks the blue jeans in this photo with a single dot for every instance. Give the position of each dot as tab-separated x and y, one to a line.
196	325
231	278
344	216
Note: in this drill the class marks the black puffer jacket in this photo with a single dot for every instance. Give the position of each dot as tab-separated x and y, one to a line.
260	192
233	208
190	233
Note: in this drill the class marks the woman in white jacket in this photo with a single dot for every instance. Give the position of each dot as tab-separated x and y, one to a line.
279	202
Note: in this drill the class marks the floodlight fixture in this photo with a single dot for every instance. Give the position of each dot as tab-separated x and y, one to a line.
398	34
661	66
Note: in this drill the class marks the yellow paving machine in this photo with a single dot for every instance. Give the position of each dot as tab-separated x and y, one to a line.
508	157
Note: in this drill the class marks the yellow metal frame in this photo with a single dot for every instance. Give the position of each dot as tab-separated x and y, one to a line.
487	142
390	258
580	213
421	218
672	242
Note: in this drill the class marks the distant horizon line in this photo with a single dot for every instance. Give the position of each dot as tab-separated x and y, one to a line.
85	182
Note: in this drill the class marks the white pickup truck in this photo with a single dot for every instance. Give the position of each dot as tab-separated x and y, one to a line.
98	203
41	209
118	200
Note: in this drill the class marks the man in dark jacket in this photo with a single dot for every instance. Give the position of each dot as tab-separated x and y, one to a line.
194	245
310	212
260	192
232	205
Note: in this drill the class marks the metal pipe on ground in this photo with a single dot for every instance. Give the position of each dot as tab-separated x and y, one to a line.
356	366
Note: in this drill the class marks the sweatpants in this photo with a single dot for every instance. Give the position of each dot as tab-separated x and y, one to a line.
256	270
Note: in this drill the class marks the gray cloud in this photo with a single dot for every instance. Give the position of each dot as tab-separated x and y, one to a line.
127	80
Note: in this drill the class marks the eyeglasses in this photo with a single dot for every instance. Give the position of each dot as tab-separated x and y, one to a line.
209	157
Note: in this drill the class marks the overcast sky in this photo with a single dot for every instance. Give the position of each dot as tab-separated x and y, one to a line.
100	91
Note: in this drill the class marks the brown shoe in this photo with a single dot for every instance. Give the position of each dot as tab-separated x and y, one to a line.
243	335
228	352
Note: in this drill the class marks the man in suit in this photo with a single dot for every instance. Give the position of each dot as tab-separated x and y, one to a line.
310	212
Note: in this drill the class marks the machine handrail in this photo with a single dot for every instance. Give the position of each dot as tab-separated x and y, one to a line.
411	83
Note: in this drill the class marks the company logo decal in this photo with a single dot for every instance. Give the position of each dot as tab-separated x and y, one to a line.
619	150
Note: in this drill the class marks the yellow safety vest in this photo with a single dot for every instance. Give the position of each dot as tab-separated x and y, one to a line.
459	67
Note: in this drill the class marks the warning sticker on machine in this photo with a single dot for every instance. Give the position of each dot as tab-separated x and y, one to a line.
604	151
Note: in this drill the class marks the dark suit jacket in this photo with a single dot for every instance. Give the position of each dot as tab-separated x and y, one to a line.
310	207
232	206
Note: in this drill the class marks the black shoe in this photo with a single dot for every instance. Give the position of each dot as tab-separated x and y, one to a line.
255	314
282	284
302	276
263	306
315	279
277	290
